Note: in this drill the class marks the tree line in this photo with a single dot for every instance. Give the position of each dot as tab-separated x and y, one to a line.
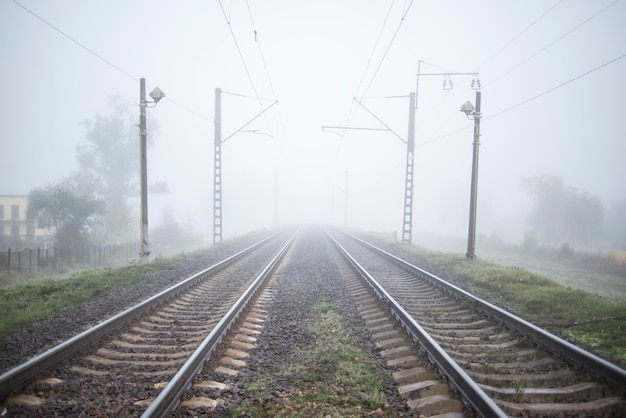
562	214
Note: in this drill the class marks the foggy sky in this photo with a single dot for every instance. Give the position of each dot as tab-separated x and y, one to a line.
313	58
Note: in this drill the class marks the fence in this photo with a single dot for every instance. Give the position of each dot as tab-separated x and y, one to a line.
35	259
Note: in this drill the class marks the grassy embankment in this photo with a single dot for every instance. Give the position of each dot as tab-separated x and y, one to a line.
23	304
332	377
586	319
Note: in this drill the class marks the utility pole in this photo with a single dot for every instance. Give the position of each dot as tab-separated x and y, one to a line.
217	166
275	198
469	110
407	227
471	236
144	251
156	95
217	171
345	203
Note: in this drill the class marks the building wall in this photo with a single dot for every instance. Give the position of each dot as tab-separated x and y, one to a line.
14	227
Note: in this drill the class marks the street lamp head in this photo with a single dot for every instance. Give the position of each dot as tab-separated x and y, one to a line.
157	94
467	108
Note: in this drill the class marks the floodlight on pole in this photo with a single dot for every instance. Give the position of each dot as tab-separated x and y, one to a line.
156	94
470	111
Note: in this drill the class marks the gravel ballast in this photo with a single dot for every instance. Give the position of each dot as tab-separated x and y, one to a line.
19	346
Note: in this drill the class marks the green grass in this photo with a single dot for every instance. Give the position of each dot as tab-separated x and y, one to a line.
591	321
23	304
332	377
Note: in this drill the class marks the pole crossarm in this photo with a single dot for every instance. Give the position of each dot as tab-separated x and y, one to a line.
353	128
250	121
379	120
445	74
447	82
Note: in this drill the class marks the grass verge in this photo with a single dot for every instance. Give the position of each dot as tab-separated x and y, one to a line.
23	304
332	377
588	320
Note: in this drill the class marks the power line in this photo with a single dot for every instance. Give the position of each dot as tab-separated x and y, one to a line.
106	61
352	109
554	42
521	33
388	48
257	40
369	60
243	61
380	63
556	87
528	100
100	57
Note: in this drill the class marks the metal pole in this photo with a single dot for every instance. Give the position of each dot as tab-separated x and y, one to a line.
144	252
217	171
275	198
471	238
345	204
407	226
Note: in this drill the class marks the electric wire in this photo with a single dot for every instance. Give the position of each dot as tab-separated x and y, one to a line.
106	61
556	87
95	54
505	46
393	38
530	99
243	61
257	40
351	113
553	42
369	60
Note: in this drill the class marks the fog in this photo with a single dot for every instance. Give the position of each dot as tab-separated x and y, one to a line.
553	87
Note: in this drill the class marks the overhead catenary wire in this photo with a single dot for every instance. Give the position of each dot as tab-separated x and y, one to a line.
516	37
352	108
614	60
530	99
95	54
101	58
243	60
596	14
515	67
382	59
380	63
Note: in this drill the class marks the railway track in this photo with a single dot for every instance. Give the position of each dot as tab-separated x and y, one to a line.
118	367
450	352
499	364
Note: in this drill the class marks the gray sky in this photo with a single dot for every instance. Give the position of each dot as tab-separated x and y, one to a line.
314	57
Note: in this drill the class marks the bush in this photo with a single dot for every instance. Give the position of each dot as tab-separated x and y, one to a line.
566	251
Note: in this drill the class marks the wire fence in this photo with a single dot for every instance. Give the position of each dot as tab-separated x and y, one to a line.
35	259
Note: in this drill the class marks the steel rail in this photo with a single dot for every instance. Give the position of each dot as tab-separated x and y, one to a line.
471	393
594	365
28	371
169	398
